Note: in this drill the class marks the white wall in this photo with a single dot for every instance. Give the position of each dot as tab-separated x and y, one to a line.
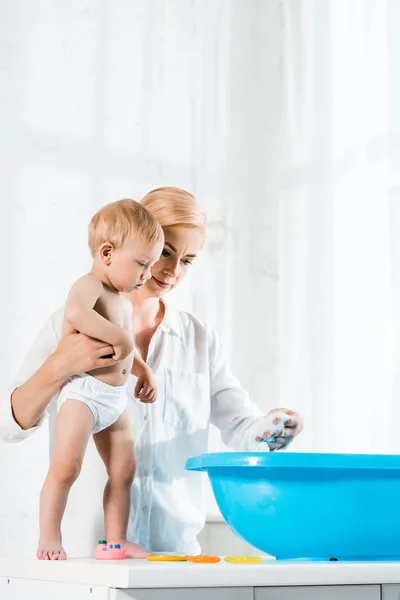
102	100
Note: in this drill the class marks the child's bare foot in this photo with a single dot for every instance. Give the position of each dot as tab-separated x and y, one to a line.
134	550
48	550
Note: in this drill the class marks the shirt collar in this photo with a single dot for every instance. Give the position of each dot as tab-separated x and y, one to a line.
171	322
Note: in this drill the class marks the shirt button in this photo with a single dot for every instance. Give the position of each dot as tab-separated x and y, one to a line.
144	508
145	473
150	364
146	417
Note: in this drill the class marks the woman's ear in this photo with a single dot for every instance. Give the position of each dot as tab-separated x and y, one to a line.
105	252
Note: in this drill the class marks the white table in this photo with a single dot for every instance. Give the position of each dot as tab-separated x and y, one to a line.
87	579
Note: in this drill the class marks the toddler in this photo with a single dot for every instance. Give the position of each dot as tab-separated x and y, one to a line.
125	241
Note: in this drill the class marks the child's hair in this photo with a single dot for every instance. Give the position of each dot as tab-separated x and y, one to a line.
173	206
122	220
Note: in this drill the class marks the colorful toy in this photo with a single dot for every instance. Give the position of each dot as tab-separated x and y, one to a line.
243	560
204	559
111	551
164	557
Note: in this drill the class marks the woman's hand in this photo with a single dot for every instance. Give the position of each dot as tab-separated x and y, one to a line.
79	353
293	426
281	426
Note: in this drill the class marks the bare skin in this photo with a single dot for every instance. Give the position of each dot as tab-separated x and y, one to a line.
98	309
75	353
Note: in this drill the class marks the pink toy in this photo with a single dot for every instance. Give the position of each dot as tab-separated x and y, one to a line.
110	551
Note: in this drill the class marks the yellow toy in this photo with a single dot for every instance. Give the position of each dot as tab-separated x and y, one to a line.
243	560
163	557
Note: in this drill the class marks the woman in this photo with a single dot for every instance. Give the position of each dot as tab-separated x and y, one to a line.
195	388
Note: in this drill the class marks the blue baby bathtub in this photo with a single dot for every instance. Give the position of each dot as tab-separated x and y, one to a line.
309	506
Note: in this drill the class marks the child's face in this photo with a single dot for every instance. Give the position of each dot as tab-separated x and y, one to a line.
130	265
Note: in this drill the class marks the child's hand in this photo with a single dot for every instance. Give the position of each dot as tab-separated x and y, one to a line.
124	347
146	389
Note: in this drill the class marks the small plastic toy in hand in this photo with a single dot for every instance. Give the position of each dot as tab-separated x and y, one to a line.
274	430
110	551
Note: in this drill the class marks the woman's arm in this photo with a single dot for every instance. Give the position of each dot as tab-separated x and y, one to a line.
47	366
239	419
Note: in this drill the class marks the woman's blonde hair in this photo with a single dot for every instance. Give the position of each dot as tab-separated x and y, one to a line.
121	221
173	206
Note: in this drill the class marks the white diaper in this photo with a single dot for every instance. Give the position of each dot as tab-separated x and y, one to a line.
107	402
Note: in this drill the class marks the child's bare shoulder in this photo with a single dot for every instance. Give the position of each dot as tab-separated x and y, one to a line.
89	281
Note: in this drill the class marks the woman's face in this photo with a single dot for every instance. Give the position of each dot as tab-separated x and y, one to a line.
181	246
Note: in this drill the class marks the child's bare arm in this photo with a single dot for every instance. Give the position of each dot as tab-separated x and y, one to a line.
80	314
139	365
146	387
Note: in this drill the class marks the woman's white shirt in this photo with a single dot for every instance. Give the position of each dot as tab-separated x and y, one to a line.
195	387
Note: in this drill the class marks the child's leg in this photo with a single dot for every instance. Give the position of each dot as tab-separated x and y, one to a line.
73	427
116	448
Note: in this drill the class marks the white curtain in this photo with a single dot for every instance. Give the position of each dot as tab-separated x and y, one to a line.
100	100
339	250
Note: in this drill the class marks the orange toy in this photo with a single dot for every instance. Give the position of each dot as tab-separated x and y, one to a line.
204	559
